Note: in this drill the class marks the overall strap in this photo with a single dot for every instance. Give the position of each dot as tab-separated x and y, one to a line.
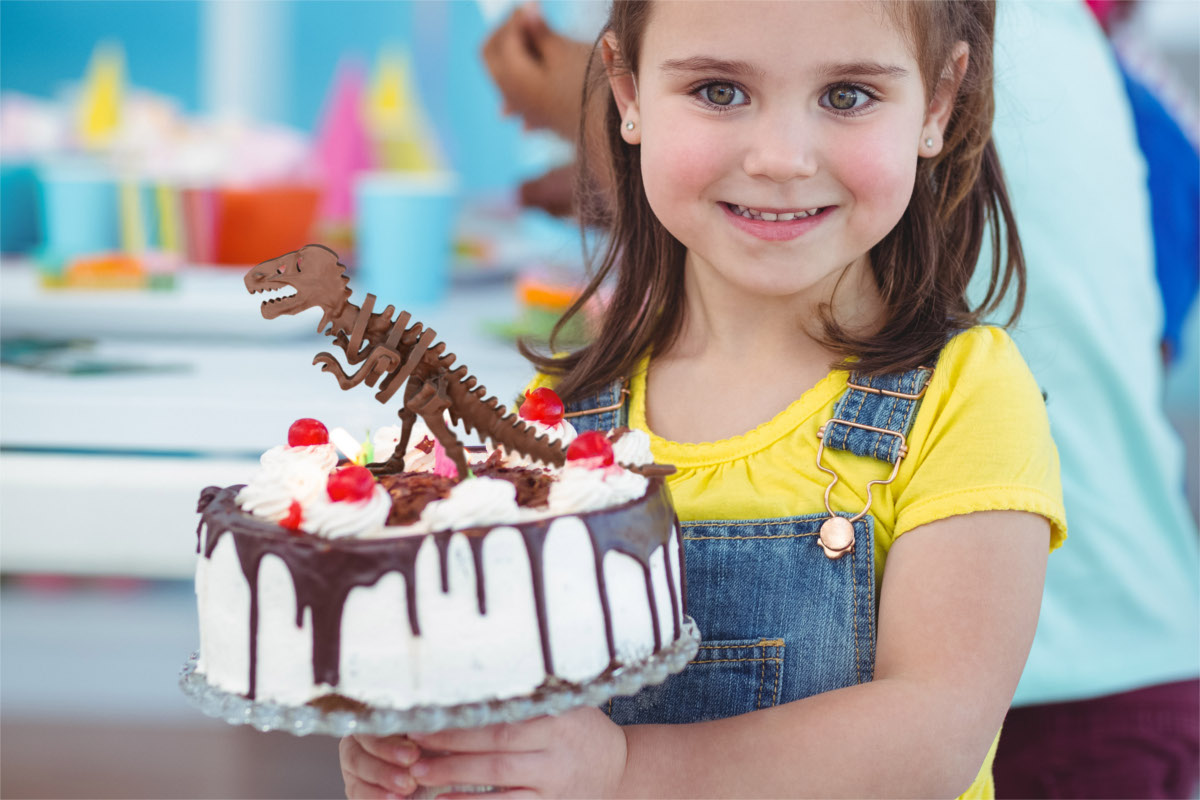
873	410
602	411
872	418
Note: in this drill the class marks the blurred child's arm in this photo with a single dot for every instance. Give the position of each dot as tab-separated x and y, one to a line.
539	72
958	609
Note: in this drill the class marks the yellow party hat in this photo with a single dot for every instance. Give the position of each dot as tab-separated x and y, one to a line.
396	119
99	110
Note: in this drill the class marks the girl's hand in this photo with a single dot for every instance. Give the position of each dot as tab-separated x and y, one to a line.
377	767
578	754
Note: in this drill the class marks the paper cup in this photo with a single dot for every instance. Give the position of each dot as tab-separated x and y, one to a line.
80	212
404	227
19	230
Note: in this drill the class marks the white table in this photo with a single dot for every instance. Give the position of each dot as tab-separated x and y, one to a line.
100	474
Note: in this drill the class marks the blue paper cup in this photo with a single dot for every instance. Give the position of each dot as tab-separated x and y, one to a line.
404	229
80	212
19	230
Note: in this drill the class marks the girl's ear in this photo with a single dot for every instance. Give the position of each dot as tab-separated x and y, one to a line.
941	106
624	89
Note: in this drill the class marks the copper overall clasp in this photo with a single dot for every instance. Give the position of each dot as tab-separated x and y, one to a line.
837	533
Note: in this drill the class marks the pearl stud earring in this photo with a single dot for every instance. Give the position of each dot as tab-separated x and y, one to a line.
929	142
629	125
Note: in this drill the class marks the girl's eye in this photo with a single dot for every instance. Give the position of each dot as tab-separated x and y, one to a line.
722	95
847	97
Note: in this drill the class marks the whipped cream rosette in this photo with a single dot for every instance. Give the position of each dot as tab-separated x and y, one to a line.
276	486
473	502
632	448
333	519
292	473
387	439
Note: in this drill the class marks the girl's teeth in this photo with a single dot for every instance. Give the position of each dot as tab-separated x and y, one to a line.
767	216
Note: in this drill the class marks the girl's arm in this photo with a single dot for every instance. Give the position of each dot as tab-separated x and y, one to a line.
958	609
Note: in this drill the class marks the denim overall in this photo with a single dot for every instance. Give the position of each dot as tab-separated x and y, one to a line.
778	618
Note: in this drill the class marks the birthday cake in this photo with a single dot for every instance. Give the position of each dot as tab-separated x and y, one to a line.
434	574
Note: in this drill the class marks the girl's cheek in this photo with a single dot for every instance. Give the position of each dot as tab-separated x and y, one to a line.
683	161
676	175
878	170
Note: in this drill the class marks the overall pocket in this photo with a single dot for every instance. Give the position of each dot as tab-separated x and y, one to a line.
726	678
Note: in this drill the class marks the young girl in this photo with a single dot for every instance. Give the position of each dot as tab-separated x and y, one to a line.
866	480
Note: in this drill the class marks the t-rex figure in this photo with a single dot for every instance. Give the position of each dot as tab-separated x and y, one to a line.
399	353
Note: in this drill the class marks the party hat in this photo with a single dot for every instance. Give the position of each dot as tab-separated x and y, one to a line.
343	148
397	121
99	110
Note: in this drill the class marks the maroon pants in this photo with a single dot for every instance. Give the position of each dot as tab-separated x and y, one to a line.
1139	744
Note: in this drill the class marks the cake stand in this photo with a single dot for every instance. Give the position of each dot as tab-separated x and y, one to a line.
305	720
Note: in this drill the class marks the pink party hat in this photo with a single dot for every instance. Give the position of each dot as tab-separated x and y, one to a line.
343	147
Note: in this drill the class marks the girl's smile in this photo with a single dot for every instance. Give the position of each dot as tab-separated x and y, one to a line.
776	224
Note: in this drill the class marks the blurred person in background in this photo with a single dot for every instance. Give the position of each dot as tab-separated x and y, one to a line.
1109	703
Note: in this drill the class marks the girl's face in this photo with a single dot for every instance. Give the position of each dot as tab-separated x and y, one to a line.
779	140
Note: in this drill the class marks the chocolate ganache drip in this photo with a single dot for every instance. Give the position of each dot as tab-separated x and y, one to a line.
325	571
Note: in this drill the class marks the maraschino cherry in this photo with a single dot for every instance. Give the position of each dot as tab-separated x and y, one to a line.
292	520
352	483
542	405
307	431
591	449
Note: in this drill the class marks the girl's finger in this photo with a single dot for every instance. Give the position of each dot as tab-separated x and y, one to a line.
505	736
394	749
483	769
357	789
361	765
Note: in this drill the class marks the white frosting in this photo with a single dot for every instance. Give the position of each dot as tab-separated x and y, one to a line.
334	519
322	456
564	432
278	482
460	655
579	489
473	502
633	449
415	459
387	437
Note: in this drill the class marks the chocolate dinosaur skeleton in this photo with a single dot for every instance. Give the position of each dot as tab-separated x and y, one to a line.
399	354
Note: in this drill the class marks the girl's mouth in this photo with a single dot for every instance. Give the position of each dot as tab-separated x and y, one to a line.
775	224
774	216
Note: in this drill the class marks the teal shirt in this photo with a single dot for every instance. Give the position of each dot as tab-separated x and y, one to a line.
1122	602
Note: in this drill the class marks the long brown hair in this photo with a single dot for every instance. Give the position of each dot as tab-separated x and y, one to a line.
922	267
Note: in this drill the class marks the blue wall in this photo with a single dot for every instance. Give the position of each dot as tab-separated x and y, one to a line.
45	46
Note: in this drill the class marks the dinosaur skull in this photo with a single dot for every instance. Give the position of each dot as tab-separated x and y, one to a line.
305	278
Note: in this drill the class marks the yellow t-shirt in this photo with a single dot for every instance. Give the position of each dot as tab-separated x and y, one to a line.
980	442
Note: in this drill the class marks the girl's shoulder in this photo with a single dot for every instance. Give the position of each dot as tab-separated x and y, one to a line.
981	438
983	354
979	341
982	368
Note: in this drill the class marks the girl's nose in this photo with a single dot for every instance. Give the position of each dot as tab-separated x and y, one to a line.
781	148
